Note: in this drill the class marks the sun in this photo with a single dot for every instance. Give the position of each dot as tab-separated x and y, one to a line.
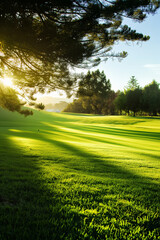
7	81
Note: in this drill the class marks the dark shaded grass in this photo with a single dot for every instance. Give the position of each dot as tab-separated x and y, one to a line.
35	212
74	193
28	209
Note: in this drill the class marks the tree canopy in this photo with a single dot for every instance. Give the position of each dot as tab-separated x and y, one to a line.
132	84
151	98
9	100
40	40
93	83
94	95
136	99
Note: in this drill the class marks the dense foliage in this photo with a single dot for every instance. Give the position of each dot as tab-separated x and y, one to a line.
41	40
144	101
9	100
94	95
132	100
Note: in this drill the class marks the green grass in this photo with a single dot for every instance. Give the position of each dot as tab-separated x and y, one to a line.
79	177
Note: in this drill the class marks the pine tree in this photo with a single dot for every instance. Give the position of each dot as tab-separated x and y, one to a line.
41	40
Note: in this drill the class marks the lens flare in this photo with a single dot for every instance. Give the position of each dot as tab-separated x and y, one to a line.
7	81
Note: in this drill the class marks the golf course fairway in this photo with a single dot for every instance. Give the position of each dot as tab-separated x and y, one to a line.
74	177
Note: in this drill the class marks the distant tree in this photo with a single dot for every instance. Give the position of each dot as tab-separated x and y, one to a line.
96	87
41	40
86	104
76	106
132	84
97	103
95	95
109	107
134	100
120	102
83	105
93	83
151	98
131	98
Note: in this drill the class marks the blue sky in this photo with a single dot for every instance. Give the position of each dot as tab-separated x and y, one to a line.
143	60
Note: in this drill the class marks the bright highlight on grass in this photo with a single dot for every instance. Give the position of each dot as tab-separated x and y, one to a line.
70	176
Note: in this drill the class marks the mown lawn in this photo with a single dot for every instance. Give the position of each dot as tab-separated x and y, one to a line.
67	176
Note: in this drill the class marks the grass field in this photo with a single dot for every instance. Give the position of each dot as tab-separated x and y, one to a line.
67	176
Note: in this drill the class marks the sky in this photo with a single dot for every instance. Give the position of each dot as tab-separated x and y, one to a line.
143	60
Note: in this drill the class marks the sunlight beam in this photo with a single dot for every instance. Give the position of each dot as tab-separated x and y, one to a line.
6	81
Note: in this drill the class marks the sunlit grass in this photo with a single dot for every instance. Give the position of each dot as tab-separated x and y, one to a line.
68	176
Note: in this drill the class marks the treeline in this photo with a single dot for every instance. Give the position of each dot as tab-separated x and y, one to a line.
94	95
139	100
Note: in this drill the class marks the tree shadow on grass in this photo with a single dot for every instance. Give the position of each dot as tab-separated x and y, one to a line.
35	207
93	164
29	210
111	141
118	131
98	163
